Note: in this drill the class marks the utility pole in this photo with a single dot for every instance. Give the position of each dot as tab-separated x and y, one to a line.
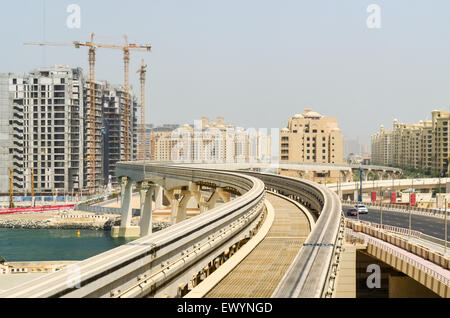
360	184
410	211
381	213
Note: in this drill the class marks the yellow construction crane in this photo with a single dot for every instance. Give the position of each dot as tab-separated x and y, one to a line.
142	146
126	58
11	189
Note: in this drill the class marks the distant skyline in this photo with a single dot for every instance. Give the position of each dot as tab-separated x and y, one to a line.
255	62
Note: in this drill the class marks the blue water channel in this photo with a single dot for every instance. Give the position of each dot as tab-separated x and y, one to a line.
18	245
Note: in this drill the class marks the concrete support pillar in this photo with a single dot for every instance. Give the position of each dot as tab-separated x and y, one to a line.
159	197
345	176
211	203
365	175
126	204
196	193
122	188
125	229
170	195
146	212
181	205
224	195
355	195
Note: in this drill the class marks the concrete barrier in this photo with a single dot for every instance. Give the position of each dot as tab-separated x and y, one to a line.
414	248
37	209
97	209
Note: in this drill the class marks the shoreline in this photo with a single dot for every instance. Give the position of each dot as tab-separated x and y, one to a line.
69	221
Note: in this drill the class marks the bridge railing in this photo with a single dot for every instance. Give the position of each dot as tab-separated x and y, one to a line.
145	266
151	263
400	208
401	242
312	273
403	256
393	229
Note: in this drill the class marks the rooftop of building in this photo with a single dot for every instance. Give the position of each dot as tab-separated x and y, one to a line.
308	113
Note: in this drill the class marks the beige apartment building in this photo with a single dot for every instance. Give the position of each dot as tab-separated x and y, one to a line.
311	138
209	141
424	145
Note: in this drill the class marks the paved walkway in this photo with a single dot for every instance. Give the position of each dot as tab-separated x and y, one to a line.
430	245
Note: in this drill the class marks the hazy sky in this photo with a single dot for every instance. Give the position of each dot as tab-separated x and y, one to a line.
254	62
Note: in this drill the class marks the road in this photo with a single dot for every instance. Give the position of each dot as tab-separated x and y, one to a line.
427	225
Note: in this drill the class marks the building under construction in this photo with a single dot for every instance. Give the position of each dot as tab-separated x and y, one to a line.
44	130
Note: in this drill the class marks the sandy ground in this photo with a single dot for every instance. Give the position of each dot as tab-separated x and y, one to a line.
159	215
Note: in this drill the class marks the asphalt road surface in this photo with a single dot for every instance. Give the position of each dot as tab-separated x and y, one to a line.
427	225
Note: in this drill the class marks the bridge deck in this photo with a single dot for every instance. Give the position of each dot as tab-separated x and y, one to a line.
261	271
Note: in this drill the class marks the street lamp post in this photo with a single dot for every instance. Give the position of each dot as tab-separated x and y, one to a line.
361	176
445	230
381	213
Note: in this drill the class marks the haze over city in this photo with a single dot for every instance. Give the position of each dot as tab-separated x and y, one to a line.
236	152
257	63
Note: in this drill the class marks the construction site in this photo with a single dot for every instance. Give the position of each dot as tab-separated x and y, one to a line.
63	131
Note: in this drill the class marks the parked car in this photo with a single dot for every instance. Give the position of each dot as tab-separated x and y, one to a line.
361	208
352	212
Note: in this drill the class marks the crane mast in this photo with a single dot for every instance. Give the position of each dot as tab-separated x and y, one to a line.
92	117
142	70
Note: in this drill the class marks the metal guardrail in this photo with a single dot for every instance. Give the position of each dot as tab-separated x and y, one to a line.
399	208
142	267
97	209
148	263
393	229
404	231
